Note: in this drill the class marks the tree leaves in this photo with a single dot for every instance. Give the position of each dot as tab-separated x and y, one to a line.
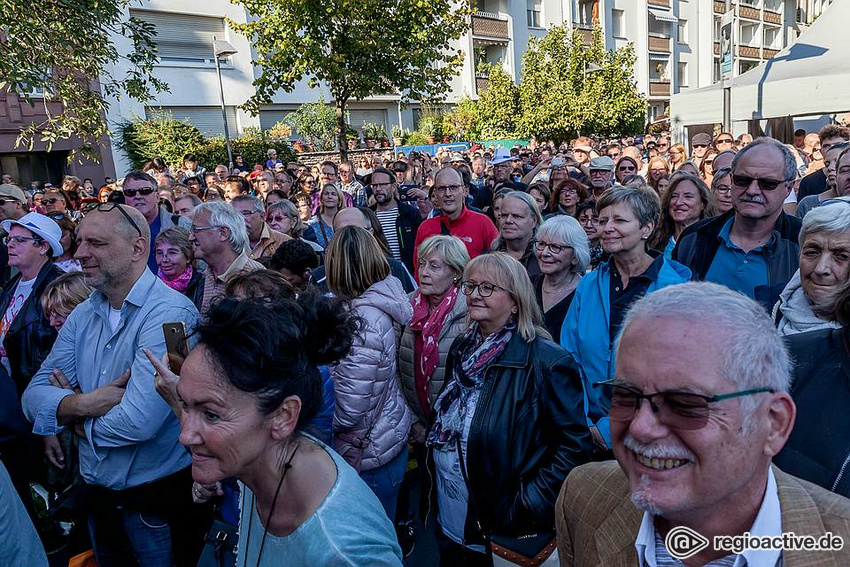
64	47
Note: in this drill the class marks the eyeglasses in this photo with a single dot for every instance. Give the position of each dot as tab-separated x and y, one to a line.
678	410
52	201
764	183
6	201
586	220
21	239
196	228
107	207
724	141
485	289
449	189
143	191
541	246
248	214
722	188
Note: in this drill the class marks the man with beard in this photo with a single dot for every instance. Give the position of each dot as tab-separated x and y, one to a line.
97	377
753	248
699	407
399	220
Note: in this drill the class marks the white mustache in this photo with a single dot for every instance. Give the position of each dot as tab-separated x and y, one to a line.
657	450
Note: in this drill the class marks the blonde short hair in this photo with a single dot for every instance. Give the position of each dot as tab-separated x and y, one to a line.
506	272
449	248
64	293
355	263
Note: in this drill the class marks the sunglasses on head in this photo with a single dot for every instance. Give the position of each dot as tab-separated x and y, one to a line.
133	192
764	183
684	411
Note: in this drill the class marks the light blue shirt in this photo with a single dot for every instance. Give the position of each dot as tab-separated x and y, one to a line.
768	523
137	440
738	270
350	527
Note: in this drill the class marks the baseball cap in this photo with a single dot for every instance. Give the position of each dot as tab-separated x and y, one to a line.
604	163
701	139
41	225
12	192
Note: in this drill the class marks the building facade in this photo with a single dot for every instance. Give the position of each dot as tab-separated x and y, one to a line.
676	42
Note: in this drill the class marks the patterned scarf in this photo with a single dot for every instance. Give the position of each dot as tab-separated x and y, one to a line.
473	358
180	283
427	327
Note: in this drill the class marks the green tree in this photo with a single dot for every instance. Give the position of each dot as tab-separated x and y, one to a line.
560	101
359	48
498	105
64	48
314	122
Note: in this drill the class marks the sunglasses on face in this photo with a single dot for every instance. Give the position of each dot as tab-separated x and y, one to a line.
6	201
765	184
133	192
51	201
684	411
725	141
700	145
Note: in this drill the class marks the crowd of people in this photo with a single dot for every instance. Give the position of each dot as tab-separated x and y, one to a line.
465	338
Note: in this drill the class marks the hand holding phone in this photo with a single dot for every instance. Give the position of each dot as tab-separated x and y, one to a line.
176	344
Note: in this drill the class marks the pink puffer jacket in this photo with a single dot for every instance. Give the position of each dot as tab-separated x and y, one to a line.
368	399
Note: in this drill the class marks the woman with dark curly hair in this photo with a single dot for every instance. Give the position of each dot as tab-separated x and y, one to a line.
245	393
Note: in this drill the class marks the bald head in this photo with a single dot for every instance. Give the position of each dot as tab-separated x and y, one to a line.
351	216
122	225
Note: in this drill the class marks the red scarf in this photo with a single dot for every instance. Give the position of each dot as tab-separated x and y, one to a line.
427	326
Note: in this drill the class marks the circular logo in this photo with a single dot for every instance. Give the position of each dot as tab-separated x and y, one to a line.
683	542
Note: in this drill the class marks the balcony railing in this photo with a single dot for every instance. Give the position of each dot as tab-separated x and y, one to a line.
585	32
661	3
749	12
719	7
748	51
487	24
772	17
659	88
767	52
659	44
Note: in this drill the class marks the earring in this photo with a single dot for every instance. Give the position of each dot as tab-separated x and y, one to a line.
513	310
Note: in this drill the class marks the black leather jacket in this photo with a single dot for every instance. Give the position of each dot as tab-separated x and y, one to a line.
528	432
819	449
30	337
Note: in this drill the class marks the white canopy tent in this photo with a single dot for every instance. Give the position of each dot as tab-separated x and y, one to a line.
810	77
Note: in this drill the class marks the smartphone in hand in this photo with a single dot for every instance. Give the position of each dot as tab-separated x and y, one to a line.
176	344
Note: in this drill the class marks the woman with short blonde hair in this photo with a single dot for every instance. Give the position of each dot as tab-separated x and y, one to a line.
523	395
62	295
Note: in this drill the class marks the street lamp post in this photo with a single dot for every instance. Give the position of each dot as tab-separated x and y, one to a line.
222	48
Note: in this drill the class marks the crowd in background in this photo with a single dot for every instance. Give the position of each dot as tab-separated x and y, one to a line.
428	336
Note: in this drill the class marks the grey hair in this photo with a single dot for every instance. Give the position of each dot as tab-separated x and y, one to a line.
787	156
224	215
564	229
833	217
258	204
449	248
191	196
532	208
289	209
752	352
718	175
643	202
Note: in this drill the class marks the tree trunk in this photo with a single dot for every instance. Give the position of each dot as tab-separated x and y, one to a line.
342	139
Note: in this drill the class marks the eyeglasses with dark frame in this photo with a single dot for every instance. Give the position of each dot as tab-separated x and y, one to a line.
144	191
541	246
684	411
107	207
448	189
485	289
764	183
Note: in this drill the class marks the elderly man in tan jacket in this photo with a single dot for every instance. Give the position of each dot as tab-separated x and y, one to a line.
699	406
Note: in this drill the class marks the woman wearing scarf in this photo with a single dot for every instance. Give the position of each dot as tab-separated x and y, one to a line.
175	259
439	316
508	425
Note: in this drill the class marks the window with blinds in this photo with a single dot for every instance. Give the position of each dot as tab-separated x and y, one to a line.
183	37
356	118
207	119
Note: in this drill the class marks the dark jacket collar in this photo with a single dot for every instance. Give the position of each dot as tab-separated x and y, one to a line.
516	353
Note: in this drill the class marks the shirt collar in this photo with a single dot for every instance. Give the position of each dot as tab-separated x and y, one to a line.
727	240
464	211
137	296
267	232
768	523
235	268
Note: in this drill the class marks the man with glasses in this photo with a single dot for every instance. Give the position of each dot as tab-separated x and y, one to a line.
476	230
753	248
699	406
399	220
815	183
140	192
601	174
220	238
350	185
614	151
723	142
262	240
97	378
699	147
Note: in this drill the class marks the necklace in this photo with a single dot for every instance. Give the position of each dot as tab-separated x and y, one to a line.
286	468
560	287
